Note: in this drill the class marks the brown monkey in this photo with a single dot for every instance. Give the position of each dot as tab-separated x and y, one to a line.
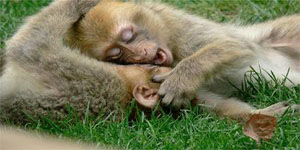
205	54
42	76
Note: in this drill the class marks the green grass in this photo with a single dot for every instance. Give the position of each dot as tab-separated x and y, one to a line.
195	129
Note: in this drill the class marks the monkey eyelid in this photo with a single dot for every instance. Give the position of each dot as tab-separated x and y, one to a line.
113	57
132	39
116	57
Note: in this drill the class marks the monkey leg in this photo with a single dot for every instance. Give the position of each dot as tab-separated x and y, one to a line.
278	109
285	29
235	109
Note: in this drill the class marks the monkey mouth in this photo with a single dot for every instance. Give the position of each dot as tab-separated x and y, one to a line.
161	58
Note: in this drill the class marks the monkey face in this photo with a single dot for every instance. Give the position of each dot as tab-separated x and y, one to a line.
140	85
135	45
123	33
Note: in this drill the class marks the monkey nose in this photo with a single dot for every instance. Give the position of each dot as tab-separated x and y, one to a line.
145	52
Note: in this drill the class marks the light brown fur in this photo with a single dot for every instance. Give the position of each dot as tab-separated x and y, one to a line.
205	54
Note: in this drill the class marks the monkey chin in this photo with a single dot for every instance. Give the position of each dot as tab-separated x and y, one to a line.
163	57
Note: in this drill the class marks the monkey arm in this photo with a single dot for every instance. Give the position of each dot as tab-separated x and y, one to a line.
47	28
214	59
42	76
182	83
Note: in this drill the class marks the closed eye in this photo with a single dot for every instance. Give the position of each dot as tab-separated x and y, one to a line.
128	35
132	38
114	53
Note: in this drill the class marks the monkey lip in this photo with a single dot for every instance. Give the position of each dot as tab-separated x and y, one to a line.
160	58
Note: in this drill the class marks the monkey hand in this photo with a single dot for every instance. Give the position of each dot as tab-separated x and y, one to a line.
179	86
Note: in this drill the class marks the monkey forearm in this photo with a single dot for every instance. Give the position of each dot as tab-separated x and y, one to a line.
48	25
214	59
46	29
183	82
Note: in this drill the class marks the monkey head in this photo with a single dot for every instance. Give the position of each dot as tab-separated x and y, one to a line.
140	86
123	33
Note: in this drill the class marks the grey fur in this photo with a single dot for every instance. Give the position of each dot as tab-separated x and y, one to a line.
42	76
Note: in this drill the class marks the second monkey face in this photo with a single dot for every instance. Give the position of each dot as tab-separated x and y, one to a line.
139	84
122	33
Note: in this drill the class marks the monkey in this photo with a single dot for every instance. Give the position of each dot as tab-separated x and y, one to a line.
42	76
205	54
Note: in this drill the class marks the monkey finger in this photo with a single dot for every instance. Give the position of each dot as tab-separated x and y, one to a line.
160	78
161	91
167	99
165	88
186	103
177	103
181	102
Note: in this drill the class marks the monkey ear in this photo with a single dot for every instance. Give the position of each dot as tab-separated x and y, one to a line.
146	96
